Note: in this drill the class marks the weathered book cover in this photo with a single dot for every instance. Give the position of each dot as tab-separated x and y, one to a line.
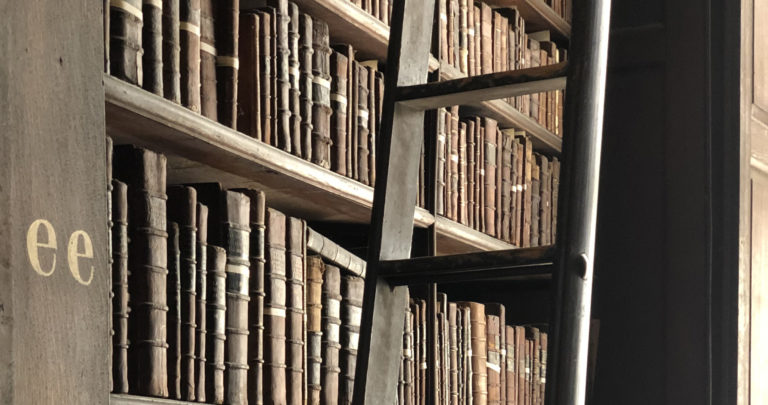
453	352
306	78
408	363
454	164
174	312
144	173
499	311
293	74
189	54
208	100
490	175
216	302
463	28
152	41
504	47
295	234
351	316
275	310
201	317
535	201
352	92
315	270
513	192
249	80
486	38
471	168
227	14
535	59
522	363
463	184
384	11
478	173
527	191
507	140
120	299
534	336
545	212
520	185
511	366
471	52
125	41
171	51
372	123
555	195
443	27
267	83
493	363
452	31
282	74
440	175
478	347
496	41
499	169
339	105
543	339
321	95
330	341
362	125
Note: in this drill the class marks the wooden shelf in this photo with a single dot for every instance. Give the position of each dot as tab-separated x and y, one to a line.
538	16
123	399
453	237
508	116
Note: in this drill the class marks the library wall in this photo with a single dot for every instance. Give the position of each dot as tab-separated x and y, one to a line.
53	262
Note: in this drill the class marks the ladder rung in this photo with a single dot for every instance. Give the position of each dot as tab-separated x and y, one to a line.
492	86
527	263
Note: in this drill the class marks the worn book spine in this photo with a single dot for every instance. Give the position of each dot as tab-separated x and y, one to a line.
545	209
463	37
478	173
416	349
521	362
201	276
174	312
454	164
339	105
380	89
479	353
274	310
372	126
453	355
470	175
295	311
120	308
535	58
506	185
171	51
408	369
227	14
189	54
493	364
534	335
384	11
527	195
282	75
144	173
352	115
363	139
511	366
441	162
109	149
512	173
183	210
498	180
152	41
321	95
490	175
535	201
520	182
125	41
306	51
315	270
444	127
331	314
249	77
500	311
294	74
351	316
486	38
555	195
463	184
543	339
216	302
496	41
443	27
451	31
208	99
105	40
423	361
266	79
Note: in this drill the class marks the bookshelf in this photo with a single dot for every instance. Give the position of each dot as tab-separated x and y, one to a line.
538	16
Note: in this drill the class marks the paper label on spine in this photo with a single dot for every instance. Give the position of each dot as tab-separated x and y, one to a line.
228	61
339	99
322	82
332	308
276	312
127	7
493	367
191	28
207	48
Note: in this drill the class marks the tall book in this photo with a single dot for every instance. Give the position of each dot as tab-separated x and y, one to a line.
462	169
372	123
486	38
527	194
555	195
545	215
454	164
522	364
519	200
479	354
105	21
266	75
352	145
471	168
490	175
498	182
227	62
189	54
351	316
507	140
511	366
274	309
499	311
208	99
534	336
535	201
144	173
534	48
306	51
471	39
315	270
281	74
330	341
152	41
321	95
339	106
496	40
120	308
363	139
463	50
493	364
441	163
125	41
453	345
294	74
408	363
249	76
182	202
296	231
171	51
443	30
543	342
478	173
201	303
174	312
216	302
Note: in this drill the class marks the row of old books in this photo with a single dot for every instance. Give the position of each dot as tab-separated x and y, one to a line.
479	358
477	39
380	9
491	180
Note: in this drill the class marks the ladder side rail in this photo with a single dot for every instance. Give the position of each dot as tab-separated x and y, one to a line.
394	203
570	321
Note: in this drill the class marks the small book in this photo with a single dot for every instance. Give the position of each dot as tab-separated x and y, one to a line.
152	41
208	99
216	302
340	106
189	54
330	340
249	77
174	312
306	78
321	95
125	41
171	51
227	14
295	232
201	313
351	316
275	309
315	270
294	74
120	299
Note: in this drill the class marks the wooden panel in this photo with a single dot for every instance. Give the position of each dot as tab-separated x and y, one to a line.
759	290
54	332
760	55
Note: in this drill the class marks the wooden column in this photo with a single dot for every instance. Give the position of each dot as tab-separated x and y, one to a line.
54	294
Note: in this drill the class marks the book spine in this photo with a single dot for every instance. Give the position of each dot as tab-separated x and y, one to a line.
339	104
527	195
274	310
498	183
266	76
543	339
496	41
470	175
174	312
305	83
189	54
470	32
463	184
315	270
454	168
490	176
519	184
294	74
408	363
506	185
125	41
513	192
534	61
144	173
120	308
282	76
535	201
443	27
441	162
216	302
249	75
171	51
152	41
511	366
555	195
321	95
486	38
105	11
453	354
330	342
351	316
363	139
479	354
534	336
227	63
201	276
521	362
372	126
463	37
208	99
455	20
493	364
545	215
478	174
352	91
384	11
295	311
450	32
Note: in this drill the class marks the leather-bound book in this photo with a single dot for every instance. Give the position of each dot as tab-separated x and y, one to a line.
340	106
454	179
408	369
182	204
216	303
513	192
189	54
534	61
453	355
478	348
463	186
171	51
274	310
498	181
249	76
504	47
380	89
105	40
208	99
459	358
363	138
423	361
510	366
174	312
384	11
535	201
496	41
152	41
281	74
467	338
463	50
372	125
519	184
522	363
201	310
455	20
109	149
267	83
543	341
120	299
555	195
493	364
450	30
499	311
416	349
443	27
296	231
353	127
444	129
527	188
321	95
490	175
477	14
441	163
226	30
294	74
470	172
331	343
125	41
471	38
545	209
507	140
144	173
305	83
351	316
315	270
534	336
486	38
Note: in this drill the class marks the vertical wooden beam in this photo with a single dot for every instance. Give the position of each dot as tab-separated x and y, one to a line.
394	203
567	370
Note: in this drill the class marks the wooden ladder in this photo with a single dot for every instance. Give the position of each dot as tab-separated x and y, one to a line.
406	98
